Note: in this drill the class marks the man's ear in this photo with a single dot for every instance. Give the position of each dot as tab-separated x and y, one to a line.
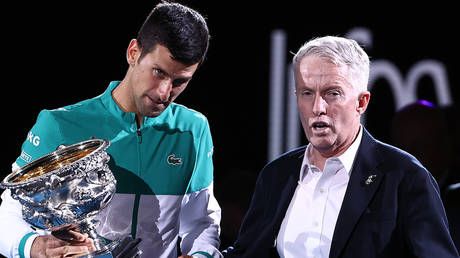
363	101
133	52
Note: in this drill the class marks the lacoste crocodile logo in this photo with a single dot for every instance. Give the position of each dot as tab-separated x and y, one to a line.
172	160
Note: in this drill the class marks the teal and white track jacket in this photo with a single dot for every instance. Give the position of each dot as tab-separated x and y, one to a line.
164	175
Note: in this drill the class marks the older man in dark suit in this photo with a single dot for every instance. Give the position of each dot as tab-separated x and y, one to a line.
345	194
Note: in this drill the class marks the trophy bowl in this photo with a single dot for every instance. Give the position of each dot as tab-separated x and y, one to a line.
69	186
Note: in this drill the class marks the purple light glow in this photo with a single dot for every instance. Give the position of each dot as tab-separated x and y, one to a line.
425	103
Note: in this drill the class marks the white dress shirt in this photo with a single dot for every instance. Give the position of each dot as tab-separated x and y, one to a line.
309	223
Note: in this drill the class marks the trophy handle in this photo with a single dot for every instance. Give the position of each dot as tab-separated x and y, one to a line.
89	226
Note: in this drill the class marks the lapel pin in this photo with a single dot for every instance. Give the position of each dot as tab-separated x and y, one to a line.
369	179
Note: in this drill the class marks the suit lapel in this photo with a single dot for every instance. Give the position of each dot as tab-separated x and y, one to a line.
287	191
364	181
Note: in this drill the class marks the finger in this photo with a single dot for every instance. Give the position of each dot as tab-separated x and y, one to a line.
88	243
76	254
69	235
73	239
53	242
66	251
77	236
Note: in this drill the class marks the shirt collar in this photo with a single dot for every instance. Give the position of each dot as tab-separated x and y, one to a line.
113	107
346	158
128	119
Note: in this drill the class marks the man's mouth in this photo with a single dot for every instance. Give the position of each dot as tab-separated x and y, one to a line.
158	103
319	125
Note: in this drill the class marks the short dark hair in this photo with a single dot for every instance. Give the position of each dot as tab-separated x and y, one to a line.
179	28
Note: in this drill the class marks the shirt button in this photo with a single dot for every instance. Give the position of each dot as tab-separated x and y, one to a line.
321	190
315	224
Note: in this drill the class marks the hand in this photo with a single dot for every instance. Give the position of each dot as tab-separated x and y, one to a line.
185	256
50	246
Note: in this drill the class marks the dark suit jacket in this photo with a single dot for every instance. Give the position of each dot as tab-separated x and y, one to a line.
452	205
399	214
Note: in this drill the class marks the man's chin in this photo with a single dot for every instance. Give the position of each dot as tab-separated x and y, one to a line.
322	144
155	111
154	114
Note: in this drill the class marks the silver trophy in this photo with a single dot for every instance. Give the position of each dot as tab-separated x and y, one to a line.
66	189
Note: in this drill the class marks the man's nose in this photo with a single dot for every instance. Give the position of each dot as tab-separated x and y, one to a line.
319	106
164	90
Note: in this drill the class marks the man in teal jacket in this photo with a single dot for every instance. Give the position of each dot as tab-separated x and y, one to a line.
161	152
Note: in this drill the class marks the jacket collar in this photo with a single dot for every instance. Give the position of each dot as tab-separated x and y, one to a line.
288	188
128	120
364	181
346	158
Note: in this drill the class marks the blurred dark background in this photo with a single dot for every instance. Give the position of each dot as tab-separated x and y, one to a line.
56	54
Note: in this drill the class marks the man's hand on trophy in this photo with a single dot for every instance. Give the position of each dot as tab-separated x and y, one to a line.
50	246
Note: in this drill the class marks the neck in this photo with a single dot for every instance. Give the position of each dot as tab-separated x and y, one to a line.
318	157
139	119
121	95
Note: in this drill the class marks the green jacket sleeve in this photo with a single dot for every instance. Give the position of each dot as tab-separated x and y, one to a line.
203	171
42	139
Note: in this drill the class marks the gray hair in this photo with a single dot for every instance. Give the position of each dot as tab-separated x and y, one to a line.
339	51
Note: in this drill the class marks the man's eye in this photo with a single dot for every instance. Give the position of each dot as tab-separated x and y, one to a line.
334	93
305	95
158	71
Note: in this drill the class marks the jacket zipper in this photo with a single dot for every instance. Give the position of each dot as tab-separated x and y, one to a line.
139	135
139	158
137	195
